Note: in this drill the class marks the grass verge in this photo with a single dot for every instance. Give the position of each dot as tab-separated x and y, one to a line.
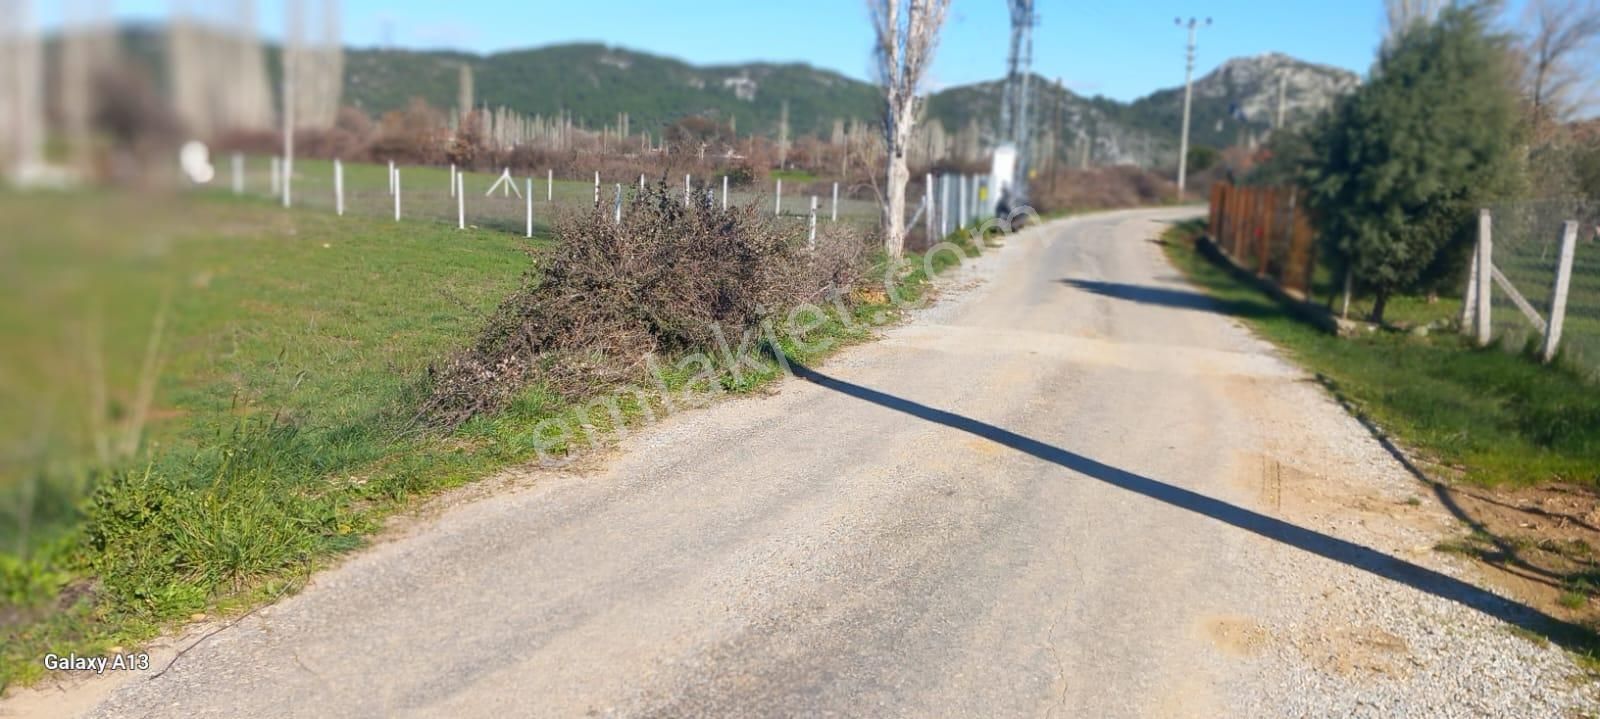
1512	446
1487	415
274	431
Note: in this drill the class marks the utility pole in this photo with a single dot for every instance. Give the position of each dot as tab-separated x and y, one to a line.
1283	81
1055	136
1188	97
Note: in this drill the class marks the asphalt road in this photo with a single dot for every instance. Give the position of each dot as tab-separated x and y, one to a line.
1019	504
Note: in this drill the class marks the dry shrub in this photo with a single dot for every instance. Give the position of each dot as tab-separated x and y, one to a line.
1101	188
666	280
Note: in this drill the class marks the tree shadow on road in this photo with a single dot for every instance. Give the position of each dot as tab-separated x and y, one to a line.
1339	550
1166	297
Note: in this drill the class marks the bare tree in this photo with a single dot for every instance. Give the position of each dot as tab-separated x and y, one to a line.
907	31
1560	54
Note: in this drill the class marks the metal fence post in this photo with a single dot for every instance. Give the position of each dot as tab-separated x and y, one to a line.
1558	298
1483	328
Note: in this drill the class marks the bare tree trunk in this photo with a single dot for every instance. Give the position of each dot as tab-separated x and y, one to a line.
905	41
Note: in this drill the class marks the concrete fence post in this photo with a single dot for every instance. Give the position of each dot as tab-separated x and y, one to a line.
528	196
811	224
597	188
394	187
961	201
833	213
616	208
452	179
641	182
549	185
338	187
1558	298
777	207
724	192
944	205
1483	329
1349	282
1469	299
461	202
686	192
392	176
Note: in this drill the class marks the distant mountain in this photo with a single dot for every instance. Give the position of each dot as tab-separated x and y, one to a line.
595	82
1247	86
1232	103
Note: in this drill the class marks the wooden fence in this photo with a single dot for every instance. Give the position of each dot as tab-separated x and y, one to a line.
1265	229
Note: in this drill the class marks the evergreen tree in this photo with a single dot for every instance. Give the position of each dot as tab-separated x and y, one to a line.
1399	166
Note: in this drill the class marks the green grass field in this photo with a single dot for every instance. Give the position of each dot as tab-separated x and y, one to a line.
1487	415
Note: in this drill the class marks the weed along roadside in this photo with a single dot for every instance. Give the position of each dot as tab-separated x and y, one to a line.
1510	446
246	496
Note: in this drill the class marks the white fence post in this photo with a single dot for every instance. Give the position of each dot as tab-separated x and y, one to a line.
927	199
549	185
724	192
238	174
529	197
461	201
641	182
394	184
944	205
288	181
1469	302
777	208
833	215
1558	298
961	201
686	190
616	210
811	224
338	187
1481	313
597	188
391	177
452	179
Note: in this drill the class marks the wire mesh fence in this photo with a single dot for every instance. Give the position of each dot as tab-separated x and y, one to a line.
1526	253
426	193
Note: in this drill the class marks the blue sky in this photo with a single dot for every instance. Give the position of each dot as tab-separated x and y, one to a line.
1119	49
